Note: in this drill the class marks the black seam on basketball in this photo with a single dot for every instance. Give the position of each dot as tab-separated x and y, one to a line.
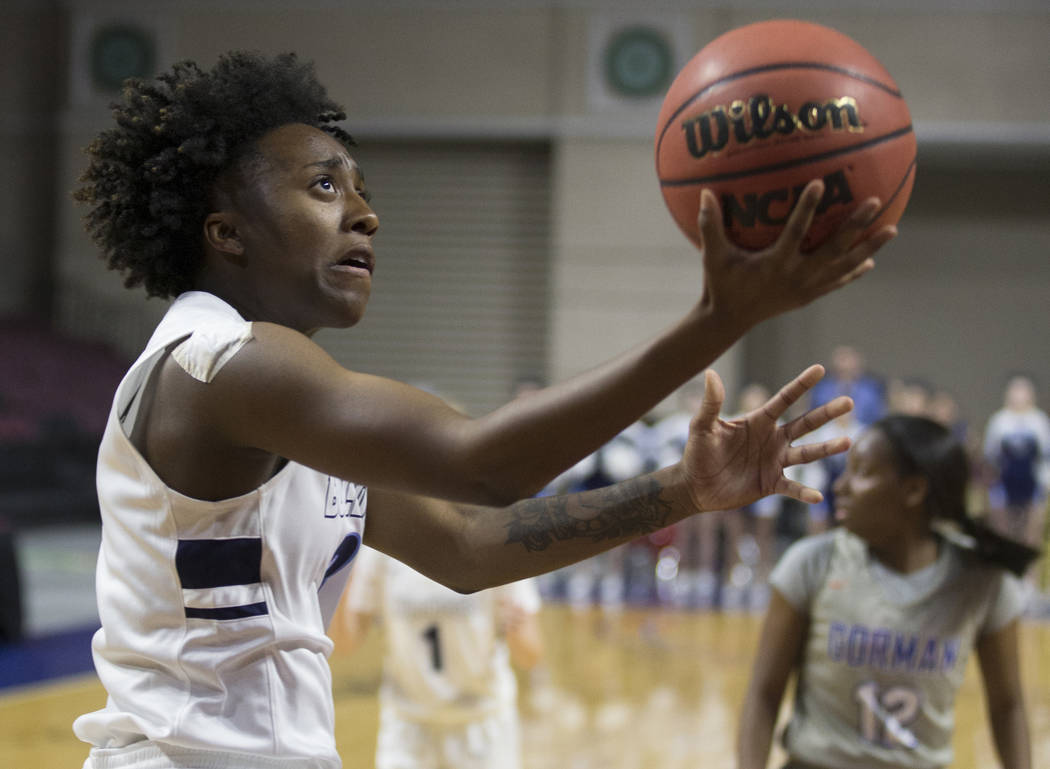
897	192
788	163
771	68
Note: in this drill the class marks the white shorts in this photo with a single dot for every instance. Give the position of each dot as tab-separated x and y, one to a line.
492	742
152	755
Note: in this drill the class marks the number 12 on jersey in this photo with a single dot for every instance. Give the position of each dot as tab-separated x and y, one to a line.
885	715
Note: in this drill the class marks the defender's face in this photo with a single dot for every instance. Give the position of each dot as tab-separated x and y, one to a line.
306	229
869	499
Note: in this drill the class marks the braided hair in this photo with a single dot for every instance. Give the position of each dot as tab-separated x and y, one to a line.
151	178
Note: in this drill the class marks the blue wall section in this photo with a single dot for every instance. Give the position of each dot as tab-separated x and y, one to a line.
40	659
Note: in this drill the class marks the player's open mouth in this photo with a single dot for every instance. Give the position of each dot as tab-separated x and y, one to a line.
360	258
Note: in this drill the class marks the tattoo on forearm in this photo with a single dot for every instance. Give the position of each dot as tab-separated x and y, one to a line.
626	510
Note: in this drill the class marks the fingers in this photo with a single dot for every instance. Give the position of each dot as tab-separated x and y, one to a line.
801	218
858	261
875	241
712	231
866	266
775	407
846	239
811	452
818	417
799	455
796	490
855	224
711	407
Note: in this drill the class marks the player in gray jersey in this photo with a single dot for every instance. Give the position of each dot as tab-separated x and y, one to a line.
878	617
240	460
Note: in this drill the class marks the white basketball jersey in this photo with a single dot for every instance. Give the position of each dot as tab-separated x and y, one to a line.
445	662
213	648
885	653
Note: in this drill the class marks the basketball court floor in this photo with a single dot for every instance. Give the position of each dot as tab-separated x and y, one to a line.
644	688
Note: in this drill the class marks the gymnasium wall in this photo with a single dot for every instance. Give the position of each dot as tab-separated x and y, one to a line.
960	297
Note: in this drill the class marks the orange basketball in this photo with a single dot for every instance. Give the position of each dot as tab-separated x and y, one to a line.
765	108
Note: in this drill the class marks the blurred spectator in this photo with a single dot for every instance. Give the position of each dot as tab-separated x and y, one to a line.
944	408
604	578
822	474
910	396
1017	450
847	376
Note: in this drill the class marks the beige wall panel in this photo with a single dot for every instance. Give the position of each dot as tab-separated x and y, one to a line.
968	67
961	298
608	193
386	63
525	72
622	270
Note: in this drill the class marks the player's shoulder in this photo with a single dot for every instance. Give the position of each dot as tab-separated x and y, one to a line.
815	547
277	351
802	569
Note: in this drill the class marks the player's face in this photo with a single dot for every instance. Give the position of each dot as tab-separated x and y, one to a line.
306	229
869	499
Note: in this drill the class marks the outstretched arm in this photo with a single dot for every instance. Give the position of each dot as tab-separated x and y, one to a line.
282	394
725	465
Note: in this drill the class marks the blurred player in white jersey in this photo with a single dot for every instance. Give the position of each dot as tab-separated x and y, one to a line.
448	699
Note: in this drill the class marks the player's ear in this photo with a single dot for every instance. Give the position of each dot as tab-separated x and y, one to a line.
915	488
221	235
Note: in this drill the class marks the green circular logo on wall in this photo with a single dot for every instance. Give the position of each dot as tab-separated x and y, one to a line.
638	62
118	52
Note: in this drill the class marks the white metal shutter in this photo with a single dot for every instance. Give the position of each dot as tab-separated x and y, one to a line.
460	295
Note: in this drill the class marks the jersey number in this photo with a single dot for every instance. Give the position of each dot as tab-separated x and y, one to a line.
885	715
432	636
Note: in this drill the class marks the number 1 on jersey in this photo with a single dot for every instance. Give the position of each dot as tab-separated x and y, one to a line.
432	636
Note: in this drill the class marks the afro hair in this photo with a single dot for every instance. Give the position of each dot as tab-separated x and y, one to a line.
151	178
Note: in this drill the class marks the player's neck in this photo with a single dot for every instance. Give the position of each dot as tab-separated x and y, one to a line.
908	554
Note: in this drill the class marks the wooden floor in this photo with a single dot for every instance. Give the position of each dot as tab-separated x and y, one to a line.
647	689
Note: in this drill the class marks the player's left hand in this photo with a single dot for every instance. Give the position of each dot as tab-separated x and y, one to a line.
730	464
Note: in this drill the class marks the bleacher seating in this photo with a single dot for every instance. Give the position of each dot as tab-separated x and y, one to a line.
55	393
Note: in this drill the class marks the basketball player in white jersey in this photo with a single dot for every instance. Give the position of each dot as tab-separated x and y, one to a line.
448	699
877	618
240	461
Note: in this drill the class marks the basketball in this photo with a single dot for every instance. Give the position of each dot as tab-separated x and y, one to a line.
765	108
